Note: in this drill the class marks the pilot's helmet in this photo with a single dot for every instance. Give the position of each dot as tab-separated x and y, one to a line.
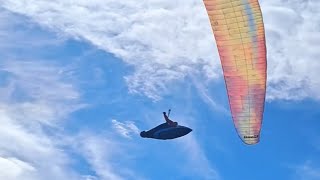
143	134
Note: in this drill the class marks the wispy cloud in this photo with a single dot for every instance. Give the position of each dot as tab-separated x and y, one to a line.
14	38
98	153
307	170
125	129
33	99
204	94
106	155
37	95
292	34
137	34
13	168
197	159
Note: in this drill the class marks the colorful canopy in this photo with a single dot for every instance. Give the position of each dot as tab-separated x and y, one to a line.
239	32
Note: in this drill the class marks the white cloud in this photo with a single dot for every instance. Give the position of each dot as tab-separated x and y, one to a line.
197	160
163	51
14	36
125	129
307	171
33	86
205	95
12	168
98	153
105	155
292	31
137	33
34	97
38	95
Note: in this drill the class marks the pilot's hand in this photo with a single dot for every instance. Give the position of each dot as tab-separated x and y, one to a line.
164	113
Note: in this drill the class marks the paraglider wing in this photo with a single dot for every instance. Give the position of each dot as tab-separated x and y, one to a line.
165	131
239	33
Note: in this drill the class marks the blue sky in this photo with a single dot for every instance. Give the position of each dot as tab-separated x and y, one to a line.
80	80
